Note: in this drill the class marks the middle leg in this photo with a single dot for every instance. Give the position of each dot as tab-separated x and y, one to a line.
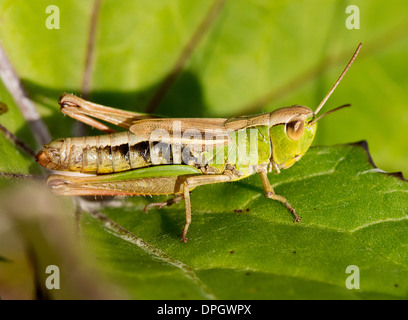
176	199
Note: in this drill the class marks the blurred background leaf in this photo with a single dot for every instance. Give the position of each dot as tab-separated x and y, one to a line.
38	232
257	56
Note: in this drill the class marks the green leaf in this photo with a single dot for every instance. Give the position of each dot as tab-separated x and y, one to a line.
12	159
244	246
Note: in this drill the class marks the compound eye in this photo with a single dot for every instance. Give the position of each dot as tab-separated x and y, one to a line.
294	129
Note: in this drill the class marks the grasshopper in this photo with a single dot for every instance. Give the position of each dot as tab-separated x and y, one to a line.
146	159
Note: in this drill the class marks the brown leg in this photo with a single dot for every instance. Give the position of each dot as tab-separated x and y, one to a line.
98	185
193	182
187	204
84	111
270	194
176	199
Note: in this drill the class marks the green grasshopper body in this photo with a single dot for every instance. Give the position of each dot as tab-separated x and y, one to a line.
159	156
117	152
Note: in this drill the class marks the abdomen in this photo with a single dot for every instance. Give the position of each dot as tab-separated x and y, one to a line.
110	153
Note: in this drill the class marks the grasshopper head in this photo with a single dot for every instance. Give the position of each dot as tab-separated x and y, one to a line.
291	132
292	129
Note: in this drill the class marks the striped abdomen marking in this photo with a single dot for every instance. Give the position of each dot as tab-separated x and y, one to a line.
98	154
112	153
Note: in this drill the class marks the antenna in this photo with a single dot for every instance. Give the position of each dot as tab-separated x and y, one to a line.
339	79
328	112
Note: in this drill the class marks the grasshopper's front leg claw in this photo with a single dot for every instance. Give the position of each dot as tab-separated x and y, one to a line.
293	212
273	196
270	194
